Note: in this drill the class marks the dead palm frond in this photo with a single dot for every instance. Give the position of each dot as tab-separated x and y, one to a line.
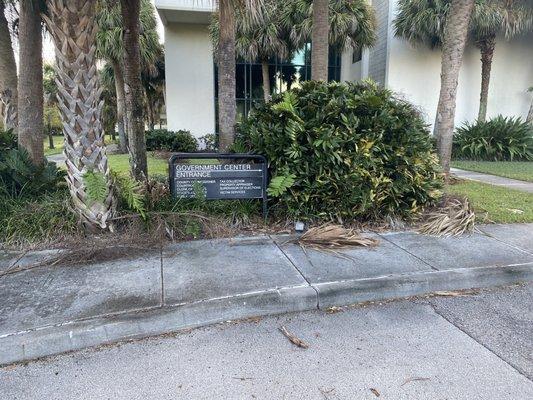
334	237
455	218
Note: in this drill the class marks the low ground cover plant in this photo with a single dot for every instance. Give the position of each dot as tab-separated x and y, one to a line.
162	139
498	139
344	151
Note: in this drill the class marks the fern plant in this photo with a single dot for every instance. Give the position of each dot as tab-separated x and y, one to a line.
96	186
130	194
280	184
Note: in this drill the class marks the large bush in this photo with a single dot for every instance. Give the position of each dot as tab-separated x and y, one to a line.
498	139
343	151
180	141
18	176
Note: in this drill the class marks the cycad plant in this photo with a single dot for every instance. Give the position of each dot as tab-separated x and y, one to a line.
424	21
71	23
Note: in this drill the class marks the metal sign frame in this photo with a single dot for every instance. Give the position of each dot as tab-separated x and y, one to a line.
221	156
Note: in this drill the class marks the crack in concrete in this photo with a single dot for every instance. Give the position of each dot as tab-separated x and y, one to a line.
477	341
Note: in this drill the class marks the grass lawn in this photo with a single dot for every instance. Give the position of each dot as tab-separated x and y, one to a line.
522	170
501	204
120	163
58	145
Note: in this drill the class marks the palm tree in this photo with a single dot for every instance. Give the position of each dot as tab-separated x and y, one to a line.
227	107
320	40
423	21
352	23
453	46
30	81
8	73
153	81
130	10
530	113
493	18
257	40
50	99
110	48
71	23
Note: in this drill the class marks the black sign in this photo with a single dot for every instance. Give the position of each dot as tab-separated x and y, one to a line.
238	180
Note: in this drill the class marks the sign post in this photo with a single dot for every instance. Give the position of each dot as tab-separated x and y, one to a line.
236	180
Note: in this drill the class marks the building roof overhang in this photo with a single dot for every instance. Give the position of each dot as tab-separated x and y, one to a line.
185	11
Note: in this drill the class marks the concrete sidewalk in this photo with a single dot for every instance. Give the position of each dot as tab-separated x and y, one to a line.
53	309
508	183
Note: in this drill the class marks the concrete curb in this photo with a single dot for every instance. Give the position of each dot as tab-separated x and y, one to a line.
76	335
396	286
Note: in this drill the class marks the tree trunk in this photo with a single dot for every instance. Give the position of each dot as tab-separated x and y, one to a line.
227	106
71	23
133	88
30	84
486	47
320	40
266	80
50	133
452	56
8	74
121	106
530	113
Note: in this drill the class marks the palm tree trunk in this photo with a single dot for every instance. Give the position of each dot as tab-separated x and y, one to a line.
121	106
133	88
320	40
486	47
266	80
452	56
530	114
227	107
30	83
8	74
72	22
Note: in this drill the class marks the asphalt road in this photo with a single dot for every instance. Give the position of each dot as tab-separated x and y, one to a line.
458	347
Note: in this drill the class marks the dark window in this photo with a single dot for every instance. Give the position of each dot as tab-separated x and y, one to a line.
357	55
283	74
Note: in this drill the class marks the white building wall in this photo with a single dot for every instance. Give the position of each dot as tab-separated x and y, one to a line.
415	73
189	78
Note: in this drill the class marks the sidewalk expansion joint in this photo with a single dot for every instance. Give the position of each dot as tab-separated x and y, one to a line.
478	342
407	251
300	272
512	246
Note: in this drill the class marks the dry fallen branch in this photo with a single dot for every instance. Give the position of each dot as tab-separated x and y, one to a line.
455	218
333	237
416	378
293	339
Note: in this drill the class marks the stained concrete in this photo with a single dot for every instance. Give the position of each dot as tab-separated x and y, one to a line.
48	310
468	251
402	350
357	263
52	295
205	269
520	235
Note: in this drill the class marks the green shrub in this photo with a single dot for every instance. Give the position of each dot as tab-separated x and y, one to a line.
180	141
344	151
18	175
498	139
